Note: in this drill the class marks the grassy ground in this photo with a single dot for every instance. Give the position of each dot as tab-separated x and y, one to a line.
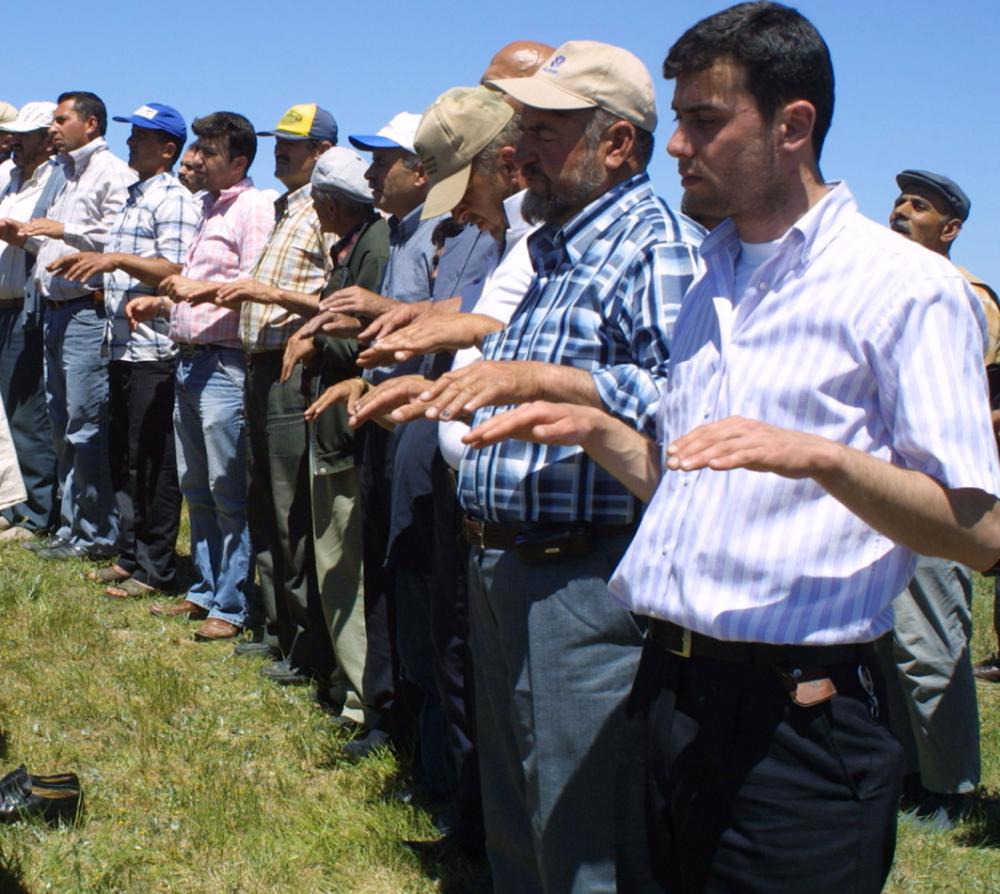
201	777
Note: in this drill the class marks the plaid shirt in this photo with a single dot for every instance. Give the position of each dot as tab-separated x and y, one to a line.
158	220
295	259
225	247
607	288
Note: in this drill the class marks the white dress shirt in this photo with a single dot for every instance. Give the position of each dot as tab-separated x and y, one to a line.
848	332
18	202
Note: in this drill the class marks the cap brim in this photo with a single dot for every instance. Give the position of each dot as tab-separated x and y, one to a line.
121	118
285	135
446	194
542	93
374	141
14	127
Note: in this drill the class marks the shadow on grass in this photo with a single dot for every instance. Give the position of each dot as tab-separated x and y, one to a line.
11	875
3	744
446	864
983	828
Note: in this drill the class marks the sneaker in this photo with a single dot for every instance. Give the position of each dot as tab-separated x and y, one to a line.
938	812
989	670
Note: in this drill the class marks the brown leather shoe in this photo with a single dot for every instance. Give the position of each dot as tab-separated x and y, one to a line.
184	608
216	628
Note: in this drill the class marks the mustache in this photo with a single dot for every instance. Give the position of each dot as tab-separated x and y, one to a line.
901	226
532	170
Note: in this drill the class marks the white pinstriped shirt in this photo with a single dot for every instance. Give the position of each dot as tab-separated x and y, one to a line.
850	332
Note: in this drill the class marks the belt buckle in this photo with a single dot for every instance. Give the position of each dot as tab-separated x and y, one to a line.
685	648
478	527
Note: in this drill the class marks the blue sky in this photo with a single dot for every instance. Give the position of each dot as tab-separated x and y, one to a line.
917	82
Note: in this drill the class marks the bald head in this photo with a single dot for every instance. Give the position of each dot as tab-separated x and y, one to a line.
519	59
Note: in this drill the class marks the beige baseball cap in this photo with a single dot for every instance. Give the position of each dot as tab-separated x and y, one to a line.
7	112
585	74
456	127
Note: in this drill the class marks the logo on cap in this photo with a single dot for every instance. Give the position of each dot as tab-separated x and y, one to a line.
552	66
146	112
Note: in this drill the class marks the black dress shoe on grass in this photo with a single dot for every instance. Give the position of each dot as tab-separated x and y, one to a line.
285	674
365	745
40	543
21	797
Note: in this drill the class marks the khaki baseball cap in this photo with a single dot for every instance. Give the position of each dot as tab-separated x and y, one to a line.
586	74
7	112
457	126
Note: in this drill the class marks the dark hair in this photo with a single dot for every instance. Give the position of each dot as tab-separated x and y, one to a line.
88	105
234	131
781	51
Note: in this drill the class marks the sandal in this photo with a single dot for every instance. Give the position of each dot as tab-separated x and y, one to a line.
130	588
110	574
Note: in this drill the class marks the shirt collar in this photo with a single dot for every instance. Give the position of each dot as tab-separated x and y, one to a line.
141	187
517	226
401	229
227	196
292	201
588	225
76	162
805	239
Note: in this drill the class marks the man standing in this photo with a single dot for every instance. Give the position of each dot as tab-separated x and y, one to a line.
793	494
553	655
209	418
293	262
147	243
33	183
76	370
931	689
931	209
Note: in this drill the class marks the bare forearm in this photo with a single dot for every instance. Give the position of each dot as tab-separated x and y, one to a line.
568	384
150	271
301	303
912	508
625	453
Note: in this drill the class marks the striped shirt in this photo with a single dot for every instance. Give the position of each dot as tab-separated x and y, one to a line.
850	332
225	247
294	259
607	288
158	220
96	187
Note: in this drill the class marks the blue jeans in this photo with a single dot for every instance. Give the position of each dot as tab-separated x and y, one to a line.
22	388
210	427
76	387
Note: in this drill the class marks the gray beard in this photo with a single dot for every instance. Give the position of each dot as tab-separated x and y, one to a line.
559	204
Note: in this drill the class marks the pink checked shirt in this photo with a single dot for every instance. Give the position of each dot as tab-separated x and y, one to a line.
225	247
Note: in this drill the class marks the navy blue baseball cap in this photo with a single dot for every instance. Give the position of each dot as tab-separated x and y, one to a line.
156	116
943	186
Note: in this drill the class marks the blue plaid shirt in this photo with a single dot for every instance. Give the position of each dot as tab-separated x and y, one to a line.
158	220
608	285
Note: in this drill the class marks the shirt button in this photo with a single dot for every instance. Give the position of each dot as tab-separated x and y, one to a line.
762	286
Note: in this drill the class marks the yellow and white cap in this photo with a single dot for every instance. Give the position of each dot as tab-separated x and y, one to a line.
456	127
585	74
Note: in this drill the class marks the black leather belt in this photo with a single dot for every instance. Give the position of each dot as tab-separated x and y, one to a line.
491	535
193	350
688	644
91	299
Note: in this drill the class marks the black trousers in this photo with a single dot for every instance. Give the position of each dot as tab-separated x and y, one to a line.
382	672
144	468
742	790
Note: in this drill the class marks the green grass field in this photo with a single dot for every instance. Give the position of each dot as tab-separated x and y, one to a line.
199	776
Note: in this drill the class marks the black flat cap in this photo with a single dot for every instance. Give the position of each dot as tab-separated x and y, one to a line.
948	189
